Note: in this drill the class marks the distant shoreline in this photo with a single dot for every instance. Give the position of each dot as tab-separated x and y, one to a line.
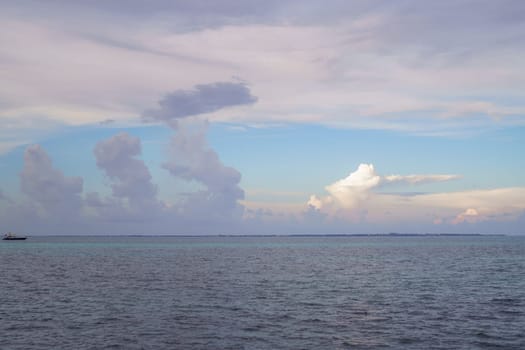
392	234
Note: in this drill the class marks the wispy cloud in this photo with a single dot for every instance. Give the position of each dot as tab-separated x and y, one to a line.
411	67
418	179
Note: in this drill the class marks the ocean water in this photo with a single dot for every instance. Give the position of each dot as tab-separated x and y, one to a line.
263	293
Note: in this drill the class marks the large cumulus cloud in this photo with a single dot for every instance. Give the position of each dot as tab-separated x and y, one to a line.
131	179
192	159
48	187
190	156
360	198
356	188
208	204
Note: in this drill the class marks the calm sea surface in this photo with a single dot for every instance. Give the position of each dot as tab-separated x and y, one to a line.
263	293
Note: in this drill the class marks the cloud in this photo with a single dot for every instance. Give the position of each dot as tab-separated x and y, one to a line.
401	65
430	69
349	191
308	12
107	122
355	188
16	132
217	196
354	199
470	207
4	197
470	215
192	159
54	204
47	186
411	67
204	98
117	157
418	179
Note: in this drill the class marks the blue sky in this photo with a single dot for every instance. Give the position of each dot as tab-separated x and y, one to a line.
262	117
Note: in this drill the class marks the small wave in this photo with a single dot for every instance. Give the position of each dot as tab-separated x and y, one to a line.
506	301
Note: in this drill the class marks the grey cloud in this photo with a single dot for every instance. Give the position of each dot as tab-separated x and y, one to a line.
419	33
197	14
182	15
53	205
459	28
193	160
107	122
131	178
454	24
228	8
129	44
4	197
204	98
48	186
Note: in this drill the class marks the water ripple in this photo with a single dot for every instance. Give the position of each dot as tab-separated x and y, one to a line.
263	293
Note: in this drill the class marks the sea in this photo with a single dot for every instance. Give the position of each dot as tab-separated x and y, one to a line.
263	292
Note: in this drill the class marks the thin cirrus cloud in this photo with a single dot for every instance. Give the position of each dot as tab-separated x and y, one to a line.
418	179
411	67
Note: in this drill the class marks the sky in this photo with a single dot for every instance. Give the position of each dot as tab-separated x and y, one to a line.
262	117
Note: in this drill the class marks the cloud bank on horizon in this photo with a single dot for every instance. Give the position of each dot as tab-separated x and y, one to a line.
133	199
354	198
433	70
54	202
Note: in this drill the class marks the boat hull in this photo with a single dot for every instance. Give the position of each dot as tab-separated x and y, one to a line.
14	238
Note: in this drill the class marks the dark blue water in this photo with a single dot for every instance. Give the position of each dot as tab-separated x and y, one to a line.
263	293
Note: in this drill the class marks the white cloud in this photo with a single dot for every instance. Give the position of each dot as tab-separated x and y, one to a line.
354	199
357	187
315	202
418	179
469	215
354	188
